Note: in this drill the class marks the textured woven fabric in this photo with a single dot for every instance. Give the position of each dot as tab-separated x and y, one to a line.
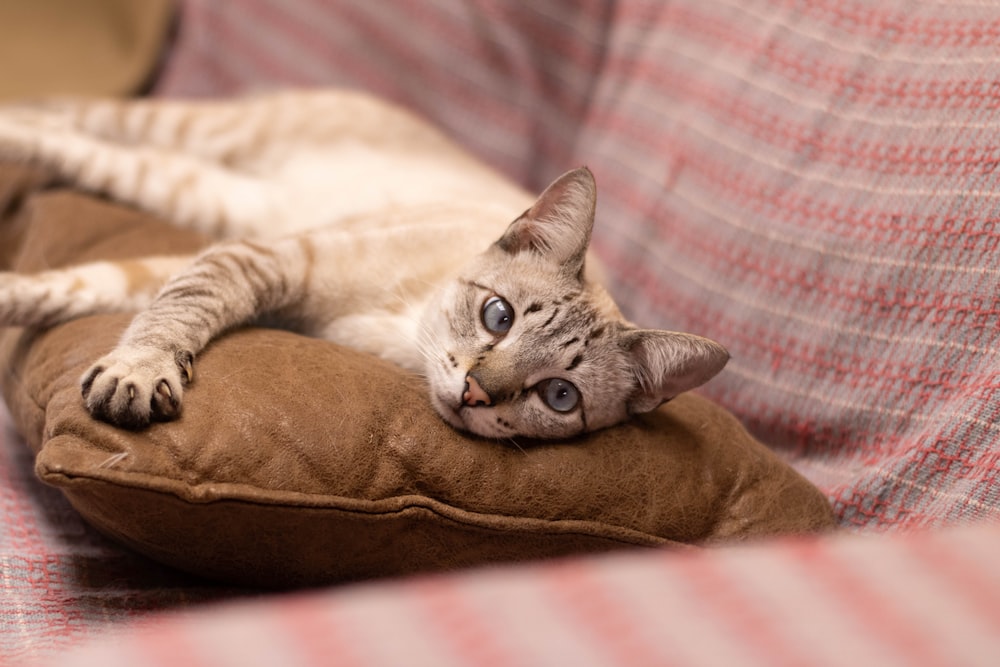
809	183
931	599
59	580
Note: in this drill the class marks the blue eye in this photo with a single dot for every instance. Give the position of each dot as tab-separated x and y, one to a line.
498	316
560	395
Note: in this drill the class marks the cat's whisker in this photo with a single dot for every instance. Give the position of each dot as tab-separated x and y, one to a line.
428	345
427	342
518	446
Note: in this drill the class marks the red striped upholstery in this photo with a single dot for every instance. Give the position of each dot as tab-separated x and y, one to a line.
930	599
810	183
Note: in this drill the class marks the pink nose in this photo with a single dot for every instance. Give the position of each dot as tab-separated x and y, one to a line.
474	394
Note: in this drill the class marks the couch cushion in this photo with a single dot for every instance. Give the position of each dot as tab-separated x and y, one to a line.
256	485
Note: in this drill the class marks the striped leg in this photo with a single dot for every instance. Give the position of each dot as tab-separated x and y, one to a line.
217	131
143	378
189	191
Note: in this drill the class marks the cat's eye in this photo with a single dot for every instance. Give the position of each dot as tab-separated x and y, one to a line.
560	395
498	316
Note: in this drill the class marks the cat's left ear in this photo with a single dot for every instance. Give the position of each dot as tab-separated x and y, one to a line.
667	363
558	226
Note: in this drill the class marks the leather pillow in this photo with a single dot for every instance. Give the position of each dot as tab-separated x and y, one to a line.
300	462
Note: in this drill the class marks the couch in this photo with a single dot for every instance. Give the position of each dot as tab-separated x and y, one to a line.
808	183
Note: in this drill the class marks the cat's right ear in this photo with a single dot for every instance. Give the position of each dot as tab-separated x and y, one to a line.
557	227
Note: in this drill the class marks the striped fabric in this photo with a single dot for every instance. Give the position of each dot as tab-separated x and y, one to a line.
930	599
809	183
59	580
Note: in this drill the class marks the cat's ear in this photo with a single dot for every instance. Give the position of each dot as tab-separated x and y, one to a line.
667	363
558	225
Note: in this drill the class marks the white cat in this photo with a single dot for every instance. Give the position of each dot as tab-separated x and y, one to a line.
359	224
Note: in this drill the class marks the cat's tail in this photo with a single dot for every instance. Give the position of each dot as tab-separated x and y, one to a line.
51	297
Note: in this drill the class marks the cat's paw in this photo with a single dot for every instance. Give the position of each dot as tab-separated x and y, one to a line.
134	386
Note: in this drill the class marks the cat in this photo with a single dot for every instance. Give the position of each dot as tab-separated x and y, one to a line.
349	219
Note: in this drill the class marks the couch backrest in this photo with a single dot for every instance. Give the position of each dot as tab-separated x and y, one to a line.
809	183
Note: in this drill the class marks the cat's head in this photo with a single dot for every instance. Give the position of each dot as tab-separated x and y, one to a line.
525	345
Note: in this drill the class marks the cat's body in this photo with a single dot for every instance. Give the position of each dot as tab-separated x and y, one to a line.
360	225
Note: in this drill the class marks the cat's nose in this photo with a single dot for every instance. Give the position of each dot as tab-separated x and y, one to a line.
474	394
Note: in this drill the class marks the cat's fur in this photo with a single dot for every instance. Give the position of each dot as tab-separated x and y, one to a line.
364	226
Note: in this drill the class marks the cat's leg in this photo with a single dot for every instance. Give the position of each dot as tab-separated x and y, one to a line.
235	131
217	130
188	191
51	297
143	378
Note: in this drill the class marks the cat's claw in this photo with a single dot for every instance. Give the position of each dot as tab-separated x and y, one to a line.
134	386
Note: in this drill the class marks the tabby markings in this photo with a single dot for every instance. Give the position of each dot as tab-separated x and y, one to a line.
576	362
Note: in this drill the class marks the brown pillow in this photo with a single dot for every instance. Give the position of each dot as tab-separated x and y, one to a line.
300	462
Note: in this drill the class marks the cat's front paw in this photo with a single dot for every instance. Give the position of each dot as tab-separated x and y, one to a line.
134	386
